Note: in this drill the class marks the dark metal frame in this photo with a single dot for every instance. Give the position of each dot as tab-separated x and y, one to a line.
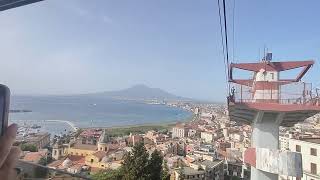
9	4
270	66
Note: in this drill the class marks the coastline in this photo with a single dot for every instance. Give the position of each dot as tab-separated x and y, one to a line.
141	128
164	124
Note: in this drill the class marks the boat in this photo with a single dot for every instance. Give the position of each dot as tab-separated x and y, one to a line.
35	126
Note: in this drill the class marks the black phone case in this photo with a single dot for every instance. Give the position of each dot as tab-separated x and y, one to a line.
5	93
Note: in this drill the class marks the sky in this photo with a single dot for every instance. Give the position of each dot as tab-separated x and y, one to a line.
79	46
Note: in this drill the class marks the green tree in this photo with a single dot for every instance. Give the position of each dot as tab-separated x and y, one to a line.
108	174
235	178
165	171
181	172
43	161
40	172
29	147
135	163
155	166
137	166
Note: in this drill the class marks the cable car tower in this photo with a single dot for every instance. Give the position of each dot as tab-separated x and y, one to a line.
265	101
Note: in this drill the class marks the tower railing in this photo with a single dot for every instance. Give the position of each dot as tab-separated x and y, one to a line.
274	92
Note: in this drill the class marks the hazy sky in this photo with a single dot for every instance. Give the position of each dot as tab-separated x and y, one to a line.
79	46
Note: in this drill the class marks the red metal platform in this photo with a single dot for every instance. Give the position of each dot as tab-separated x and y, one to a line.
272	95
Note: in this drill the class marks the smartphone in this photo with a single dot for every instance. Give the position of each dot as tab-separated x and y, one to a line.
4	107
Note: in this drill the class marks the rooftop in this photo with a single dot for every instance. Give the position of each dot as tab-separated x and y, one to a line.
34	156
179	125
78	159
91	132
311	140
85	146
55	164
191	171
33	137
75	161
99	154
209	164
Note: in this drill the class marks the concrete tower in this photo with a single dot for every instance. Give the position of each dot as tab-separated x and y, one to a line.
225	132
58	150
266	102
103	142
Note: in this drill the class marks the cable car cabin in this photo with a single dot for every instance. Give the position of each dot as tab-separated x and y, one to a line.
268	93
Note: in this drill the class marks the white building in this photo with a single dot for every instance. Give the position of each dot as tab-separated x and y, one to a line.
225	132
207	136
206	115
179	132
310	150
284	143
237	137
196	111
200	170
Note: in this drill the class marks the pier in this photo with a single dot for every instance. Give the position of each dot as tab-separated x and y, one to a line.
72	125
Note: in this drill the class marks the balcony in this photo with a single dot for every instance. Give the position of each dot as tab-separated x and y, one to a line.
296	101
298	93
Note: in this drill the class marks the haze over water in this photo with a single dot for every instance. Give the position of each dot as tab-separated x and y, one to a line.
91	112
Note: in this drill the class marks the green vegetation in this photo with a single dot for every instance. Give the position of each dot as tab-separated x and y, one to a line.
137	165
64	139
165	171
48	160
235	178
43	161
108	174
226	177
40	172
140	129
29	147
155	165
122	131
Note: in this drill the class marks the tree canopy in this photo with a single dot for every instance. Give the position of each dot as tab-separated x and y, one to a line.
137	165
29	147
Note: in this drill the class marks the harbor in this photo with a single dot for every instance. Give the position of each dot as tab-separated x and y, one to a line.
53	127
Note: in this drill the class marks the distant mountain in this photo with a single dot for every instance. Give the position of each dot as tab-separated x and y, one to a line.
139	92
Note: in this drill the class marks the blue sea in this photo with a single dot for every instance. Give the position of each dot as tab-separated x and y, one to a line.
89	112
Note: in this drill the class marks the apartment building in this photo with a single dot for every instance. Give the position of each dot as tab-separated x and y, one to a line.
310	151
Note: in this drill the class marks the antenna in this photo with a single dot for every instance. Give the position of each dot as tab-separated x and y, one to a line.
264	53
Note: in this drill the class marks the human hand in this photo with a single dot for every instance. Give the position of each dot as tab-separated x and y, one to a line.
9	155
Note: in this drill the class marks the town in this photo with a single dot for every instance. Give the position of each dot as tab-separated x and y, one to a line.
67	71
209	146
